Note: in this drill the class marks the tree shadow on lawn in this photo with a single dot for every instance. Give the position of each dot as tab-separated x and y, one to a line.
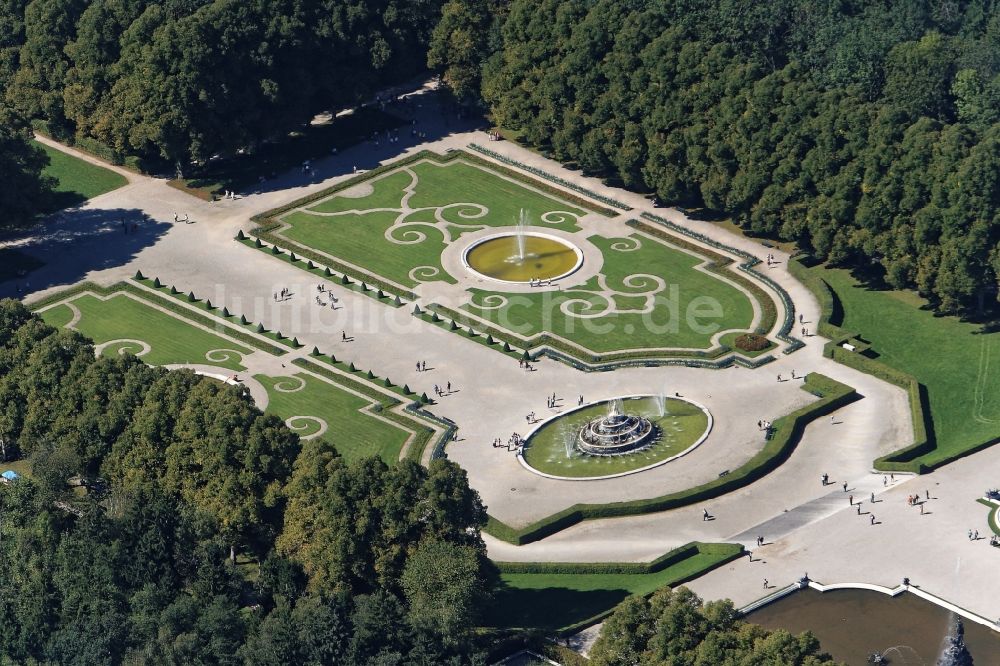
549	608
77	241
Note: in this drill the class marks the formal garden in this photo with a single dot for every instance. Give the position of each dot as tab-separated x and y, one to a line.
527	263
350	412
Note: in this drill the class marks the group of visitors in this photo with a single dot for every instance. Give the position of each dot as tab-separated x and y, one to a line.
331	300
283	295
439	392
494	136
538	282
514	443
421	366
187	218
524	365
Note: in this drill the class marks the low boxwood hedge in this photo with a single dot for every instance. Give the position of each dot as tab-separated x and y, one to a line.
787	433
901	460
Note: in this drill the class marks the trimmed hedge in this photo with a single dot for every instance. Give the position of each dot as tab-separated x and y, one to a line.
784	333
269	221
562	182
167	303
787	432
901	460
206	307
721	553
324	271
421	433
543	345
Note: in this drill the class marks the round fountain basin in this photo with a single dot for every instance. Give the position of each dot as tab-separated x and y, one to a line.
499	257
637	434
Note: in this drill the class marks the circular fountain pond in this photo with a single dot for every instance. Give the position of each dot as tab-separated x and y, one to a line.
616	437
522	256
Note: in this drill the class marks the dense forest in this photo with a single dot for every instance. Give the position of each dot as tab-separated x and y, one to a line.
868	132
167	520
186	79
864	130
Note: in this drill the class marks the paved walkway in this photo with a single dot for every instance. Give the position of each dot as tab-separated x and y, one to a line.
491	396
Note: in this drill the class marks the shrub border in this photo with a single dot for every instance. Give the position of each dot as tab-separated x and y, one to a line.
727	553
422	434
750	261
607	201
176	308
787	433
900	460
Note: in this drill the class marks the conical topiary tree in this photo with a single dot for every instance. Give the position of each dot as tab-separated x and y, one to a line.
364	287
380	294
191	298
225	312
208	304
257	243
239	235
345	280
275	250
260	328
173	291
454	326
435	318
156	283
243	320
525	356
490	340
397	301
333	359
309	265
293	257
139	275
327	272
406	389
387	383
353	369
416	310
315	351
506	347
424	399
371	375
295	342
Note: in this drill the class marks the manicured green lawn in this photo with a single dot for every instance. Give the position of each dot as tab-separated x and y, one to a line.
358	233
957	362
555	601
680	426
171	340
648	294
78	180
355	434
658	319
